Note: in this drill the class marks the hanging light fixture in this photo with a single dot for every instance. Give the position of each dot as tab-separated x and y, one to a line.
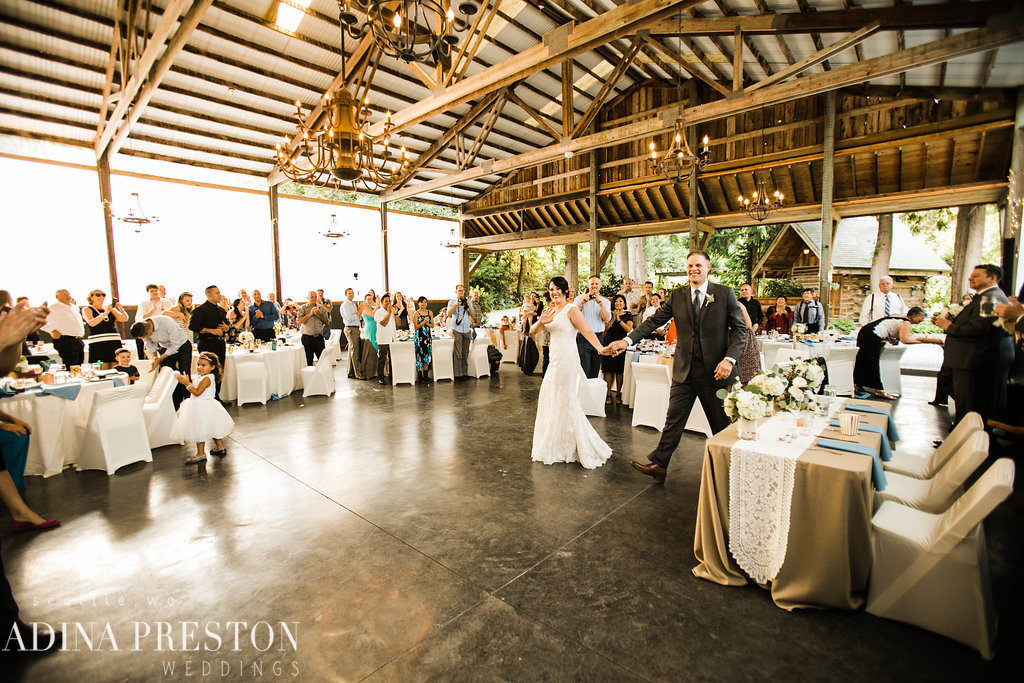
763	202
333	231
341	150
411	30
137	221
453	243
675	164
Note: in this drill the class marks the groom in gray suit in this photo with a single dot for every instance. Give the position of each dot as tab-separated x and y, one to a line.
710	334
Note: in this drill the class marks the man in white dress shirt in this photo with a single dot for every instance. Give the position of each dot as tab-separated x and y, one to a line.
597	311
884	302
64	324
168	345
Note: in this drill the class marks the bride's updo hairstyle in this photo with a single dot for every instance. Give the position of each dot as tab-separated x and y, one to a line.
561	284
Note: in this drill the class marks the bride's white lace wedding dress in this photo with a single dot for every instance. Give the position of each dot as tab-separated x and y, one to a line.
562	432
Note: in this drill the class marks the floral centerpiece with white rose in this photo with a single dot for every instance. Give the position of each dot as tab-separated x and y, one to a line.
803	380
745	406
247	340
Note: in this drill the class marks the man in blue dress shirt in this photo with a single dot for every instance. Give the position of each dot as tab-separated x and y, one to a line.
597	311
463	317
263	315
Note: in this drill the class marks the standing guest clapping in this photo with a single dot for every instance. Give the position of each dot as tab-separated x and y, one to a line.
401	312
385	317
104	339
64	324
312	319
422	321
368	337
778	317
262	316
201	418
597	311
350	319
209	322
619	325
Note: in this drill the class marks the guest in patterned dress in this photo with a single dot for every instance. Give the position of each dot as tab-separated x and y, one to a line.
750	359
422	322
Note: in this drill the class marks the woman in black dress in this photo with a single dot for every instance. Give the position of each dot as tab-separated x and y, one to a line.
104	339
401	312
528	354
867	375
613	367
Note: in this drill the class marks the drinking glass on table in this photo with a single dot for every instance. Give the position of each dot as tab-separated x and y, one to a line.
829	393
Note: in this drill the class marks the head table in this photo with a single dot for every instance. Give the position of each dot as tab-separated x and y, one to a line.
828	554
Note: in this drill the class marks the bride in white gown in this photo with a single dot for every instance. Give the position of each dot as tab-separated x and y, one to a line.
562	432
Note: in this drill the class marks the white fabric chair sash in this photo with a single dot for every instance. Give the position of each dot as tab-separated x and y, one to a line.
441	360
158	410
251	379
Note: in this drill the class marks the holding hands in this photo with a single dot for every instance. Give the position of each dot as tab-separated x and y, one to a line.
615	348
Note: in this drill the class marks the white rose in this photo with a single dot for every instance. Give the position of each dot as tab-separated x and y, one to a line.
795	393
799	382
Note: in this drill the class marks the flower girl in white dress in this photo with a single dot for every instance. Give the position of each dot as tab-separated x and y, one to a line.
201	417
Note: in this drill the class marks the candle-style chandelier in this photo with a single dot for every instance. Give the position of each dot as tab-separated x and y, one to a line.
676	162
333	231
453	243
136	221
341	149
763	202
411	30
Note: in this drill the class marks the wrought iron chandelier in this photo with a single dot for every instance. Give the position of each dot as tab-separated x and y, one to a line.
136	221
333	232
411	30
675	164
341	150
761	204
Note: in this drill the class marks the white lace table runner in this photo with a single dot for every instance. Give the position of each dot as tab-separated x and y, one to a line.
760	495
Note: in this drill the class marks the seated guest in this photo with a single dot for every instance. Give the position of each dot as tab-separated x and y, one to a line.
124	365
104	338
64	324
312	319
778	317
871	339
14	436
809	312
168	345
263	315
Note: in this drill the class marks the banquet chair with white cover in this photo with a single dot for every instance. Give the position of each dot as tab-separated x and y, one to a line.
697	421
441	361
251	379
510	354
938	493
335	342
922	467
318	380
932	570
889	367
478	363
115	433
403	363
146	378
592	393
158	410
840	361
650	399
786	356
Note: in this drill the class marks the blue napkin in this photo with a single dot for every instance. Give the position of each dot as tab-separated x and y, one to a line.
807	341
877	473
886	449
66	391
894	434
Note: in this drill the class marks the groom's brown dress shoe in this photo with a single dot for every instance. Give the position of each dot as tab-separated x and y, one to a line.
650	469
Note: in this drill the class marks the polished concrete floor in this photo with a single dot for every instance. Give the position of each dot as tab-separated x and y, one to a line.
408	534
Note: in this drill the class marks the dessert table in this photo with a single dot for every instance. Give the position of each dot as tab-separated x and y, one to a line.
827	551
56	413
283	370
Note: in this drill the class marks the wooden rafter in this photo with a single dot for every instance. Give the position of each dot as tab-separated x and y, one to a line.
472	44
818	57
609	84
485	130
534	114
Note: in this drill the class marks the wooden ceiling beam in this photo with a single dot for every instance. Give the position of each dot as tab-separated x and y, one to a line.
941	50
818	57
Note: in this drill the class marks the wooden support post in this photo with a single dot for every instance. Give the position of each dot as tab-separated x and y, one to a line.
103	171
609	246
464	271
827	184
737	60
691	134
1012	274
384	244
275	241
967	243
572	265
595	252
567	110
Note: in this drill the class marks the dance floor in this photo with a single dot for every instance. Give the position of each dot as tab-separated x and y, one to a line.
407	534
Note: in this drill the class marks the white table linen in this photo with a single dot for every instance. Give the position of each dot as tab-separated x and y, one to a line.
283	370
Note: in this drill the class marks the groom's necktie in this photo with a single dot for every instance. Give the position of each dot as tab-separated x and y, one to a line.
696	303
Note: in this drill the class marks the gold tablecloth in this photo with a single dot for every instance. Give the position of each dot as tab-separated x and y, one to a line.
828	556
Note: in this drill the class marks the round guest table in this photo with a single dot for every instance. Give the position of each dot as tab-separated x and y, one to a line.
283	370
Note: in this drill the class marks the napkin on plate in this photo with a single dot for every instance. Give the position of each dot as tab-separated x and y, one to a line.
877	473
894	434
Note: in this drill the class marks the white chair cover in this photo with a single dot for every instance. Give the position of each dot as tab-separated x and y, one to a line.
697	421
921	467
510	354
251	379
787	355
889	365
403	363
932	570
650	398
335	342
158	410
146	378
115	433
318	380
478	363
592	393
937	494
441	360
840	361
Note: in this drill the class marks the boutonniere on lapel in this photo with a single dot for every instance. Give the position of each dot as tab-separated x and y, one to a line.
710	299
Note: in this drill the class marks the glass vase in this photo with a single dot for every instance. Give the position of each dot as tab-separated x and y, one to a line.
746	429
